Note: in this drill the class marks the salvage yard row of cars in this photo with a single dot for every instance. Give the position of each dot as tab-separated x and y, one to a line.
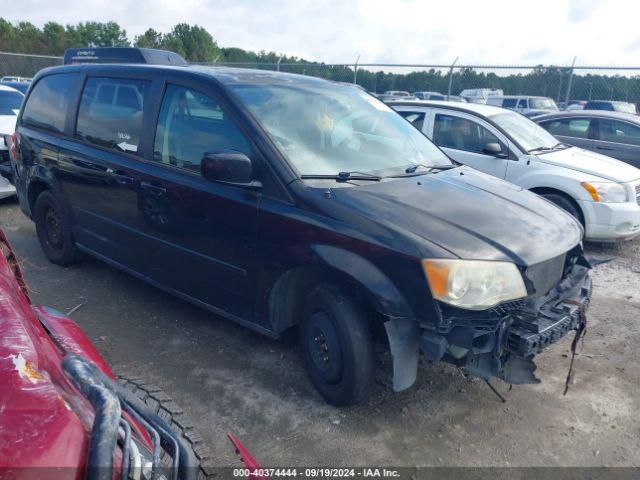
282	201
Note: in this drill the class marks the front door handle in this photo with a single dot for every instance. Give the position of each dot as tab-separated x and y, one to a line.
120	176
153	189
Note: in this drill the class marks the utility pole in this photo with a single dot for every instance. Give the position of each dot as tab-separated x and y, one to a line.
355	70
278	65
566	98
451	77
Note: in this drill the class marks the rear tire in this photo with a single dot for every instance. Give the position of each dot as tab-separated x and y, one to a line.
162	405
337	346
53	227
565	204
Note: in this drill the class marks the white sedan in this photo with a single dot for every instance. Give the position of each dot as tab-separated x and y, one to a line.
10	101
602	193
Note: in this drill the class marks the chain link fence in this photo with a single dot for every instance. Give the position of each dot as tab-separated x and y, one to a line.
560	83
23	65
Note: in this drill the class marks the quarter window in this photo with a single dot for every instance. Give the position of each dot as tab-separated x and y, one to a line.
110	113
462	134
48	102
618	132
414	118
569	127
190	125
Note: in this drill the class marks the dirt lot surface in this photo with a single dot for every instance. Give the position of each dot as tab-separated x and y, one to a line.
231	379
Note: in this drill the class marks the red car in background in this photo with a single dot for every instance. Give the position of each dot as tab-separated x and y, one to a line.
63	412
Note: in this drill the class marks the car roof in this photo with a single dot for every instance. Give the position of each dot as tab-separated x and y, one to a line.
477	108
225	75
590	113
610	101
517	96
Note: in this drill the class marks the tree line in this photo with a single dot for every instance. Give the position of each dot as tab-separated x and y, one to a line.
196	44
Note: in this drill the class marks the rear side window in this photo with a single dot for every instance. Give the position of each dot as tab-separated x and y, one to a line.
618	132
522	103
47	104
110	113
462	134
569	127
509	102
191	124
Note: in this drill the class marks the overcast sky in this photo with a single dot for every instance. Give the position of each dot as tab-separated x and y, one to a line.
598	32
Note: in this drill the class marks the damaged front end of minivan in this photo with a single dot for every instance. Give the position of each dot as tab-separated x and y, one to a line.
501	341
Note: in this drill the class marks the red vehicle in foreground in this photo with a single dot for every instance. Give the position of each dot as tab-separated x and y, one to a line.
65	414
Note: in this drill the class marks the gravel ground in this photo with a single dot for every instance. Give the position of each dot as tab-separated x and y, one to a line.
231	379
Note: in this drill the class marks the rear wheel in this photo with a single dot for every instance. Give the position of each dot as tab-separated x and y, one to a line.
54	230
337	346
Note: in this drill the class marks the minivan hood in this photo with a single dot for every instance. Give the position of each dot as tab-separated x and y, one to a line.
468	213
592	163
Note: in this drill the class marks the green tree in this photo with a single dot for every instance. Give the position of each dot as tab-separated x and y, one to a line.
149	39
197	44
97	34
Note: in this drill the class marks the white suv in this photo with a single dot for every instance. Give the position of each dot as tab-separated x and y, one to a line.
527	105
603	193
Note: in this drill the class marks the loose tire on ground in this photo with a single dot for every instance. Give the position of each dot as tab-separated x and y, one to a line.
337	346
53	227
163	406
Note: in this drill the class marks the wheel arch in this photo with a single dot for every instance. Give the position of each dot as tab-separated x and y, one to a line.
551	190
35	188
356	274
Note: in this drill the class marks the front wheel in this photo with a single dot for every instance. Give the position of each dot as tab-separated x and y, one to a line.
337	346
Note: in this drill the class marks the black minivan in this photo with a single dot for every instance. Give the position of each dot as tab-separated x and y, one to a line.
280	201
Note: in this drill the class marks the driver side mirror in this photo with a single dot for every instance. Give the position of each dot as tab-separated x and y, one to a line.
228	166
494	149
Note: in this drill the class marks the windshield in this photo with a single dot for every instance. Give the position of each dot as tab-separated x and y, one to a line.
542	104
324	129
528	134
10	102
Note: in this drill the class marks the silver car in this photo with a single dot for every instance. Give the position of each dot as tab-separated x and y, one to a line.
615	134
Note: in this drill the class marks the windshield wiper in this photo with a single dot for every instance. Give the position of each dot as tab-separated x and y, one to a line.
548	149
541	149
413	168
344	177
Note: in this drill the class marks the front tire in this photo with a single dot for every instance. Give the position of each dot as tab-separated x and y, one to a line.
565	204
337	346
53	227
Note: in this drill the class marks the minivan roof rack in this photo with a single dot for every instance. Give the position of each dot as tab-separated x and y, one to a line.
122	55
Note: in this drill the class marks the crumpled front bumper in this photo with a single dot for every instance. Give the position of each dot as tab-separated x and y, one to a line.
500	342
504	343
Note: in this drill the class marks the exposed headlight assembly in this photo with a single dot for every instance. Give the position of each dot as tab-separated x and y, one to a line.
473	284
606	192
